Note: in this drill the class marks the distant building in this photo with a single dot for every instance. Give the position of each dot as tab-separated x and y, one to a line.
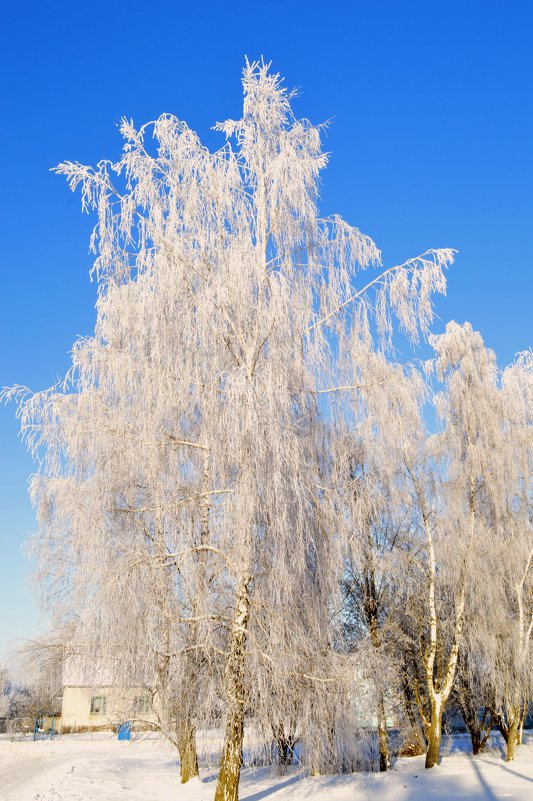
94	699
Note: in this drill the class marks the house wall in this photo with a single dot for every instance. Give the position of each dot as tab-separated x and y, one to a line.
120	706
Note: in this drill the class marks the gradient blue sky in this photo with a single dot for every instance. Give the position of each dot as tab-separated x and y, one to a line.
431	142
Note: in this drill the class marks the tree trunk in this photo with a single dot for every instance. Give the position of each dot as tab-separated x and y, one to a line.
187	750
479	730
415	744
371	611
502	727
383	735
476	741
329	757
186	731
285	744
520	733
434	734
510	729
286	751
324	759
512	733
231	761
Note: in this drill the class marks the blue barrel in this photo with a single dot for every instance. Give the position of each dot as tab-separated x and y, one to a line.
124	731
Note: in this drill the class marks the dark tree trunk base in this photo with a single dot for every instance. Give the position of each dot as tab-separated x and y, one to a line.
187	751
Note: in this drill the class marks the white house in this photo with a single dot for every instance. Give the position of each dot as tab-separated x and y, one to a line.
94	699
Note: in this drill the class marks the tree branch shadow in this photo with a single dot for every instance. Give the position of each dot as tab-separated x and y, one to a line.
515	773
488	792
271	790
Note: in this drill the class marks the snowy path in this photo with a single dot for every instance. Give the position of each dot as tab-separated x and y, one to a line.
86	769
21	771
101	769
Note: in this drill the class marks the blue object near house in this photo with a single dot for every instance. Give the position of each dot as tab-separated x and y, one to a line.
124	731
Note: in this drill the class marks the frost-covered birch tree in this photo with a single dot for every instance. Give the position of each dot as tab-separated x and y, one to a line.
494	670
512	552
230	318
460	486
447	479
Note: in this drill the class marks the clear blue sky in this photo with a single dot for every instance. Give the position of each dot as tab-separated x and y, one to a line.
431	142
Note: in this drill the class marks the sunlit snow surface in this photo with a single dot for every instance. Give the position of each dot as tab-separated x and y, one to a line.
98	768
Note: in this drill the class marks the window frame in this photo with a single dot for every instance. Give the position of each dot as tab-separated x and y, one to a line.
98	704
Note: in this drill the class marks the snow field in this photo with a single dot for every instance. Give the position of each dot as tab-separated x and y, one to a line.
99	768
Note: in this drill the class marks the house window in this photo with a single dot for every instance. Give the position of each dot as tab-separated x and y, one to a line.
141	705
98	704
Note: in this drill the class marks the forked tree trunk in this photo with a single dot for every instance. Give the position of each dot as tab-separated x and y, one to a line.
231	761
479	737
509	728
479	730
439	686
187	750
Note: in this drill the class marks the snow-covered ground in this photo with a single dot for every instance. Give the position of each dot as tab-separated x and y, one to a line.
98	768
